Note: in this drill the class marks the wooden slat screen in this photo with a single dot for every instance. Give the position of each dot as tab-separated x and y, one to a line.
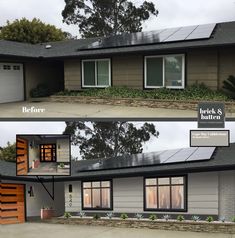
22	156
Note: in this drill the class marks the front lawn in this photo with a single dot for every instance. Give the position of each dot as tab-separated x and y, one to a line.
195	92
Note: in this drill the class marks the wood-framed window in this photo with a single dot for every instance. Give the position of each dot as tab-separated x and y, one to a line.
96	73
48	152
97	195
165	193
164	71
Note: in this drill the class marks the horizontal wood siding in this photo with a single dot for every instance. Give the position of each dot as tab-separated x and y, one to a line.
72	74
128	195
227	64
203	193
128	71
202	67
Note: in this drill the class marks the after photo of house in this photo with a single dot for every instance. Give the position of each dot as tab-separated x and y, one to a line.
43	154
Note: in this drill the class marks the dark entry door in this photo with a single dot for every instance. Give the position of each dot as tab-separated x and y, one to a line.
48	153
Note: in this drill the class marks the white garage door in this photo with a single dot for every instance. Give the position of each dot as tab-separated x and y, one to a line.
11	82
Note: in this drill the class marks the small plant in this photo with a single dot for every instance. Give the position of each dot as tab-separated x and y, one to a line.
210	219
110	215
222	219
180	218
61	165
96	217
67	215
123	216
233	219
195	218
166	217
42	90
81	214
152	217
138	216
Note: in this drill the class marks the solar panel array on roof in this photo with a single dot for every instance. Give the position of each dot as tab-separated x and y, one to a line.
158	36
154	158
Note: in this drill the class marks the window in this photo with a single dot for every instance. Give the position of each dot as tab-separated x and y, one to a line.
165	193
96	195
96	73
16	67
48	153
6	67
164	71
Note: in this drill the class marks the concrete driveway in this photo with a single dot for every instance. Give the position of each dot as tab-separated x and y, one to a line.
62	110
38	230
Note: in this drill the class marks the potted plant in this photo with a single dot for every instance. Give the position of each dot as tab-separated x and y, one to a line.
47	213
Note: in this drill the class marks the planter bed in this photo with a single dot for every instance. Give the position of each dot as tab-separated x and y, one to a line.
199	226
138	102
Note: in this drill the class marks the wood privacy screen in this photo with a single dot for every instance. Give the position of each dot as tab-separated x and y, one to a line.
22	156
12	203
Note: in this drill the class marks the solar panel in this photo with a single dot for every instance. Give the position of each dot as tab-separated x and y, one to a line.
154	37
201	32
154	158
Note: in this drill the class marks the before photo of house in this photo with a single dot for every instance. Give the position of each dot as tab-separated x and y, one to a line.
43	155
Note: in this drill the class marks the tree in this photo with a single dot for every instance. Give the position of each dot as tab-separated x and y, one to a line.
8	152
97	18
109	139
33	31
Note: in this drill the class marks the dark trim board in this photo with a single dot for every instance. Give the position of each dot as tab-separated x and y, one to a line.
111	196
185	176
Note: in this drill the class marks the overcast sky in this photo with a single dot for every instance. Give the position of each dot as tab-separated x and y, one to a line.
173	135
171	12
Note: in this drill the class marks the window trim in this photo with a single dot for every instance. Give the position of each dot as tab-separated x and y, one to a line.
185	209
163	70
98	209
96	60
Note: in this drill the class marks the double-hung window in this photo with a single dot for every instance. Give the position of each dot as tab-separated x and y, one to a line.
97	195
96	73
165	193
164	71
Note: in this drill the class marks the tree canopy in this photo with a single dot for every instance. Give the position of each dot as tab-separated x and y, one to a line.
34	31
97	18
109	139
8	152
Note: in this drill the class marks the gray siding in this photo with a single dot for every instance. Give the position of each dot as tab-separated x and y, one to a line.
227	194
72	74
128	194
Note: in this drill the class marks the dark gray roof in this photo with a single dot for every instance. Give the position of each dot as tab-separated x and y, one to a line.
222	159
223	34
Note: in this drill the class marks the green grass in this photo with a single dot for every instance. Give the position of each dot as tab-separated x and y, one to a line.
195	92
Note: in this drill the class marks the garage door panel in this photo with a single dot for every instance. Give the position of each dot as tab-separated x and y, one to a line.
11	82
12	203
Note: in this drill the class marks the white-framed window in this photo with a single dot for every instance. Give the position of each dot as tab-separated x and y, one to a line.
164	71
96	73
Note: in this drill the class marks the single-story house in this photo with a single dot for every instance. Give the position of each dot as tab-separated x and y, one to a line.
172	58
190	181
43	154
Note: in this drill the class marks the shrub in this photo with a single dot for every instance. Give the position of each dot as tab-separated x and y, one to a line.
123	216
194	92
233	219
138	216
61	165
96	217
110	215
210	219
42	90
180	218
229	86
195	218
152	217
166	217
67	215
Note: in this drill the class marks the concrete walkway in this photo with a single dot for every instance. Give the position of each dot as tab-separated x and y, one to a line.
61	110
39	230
